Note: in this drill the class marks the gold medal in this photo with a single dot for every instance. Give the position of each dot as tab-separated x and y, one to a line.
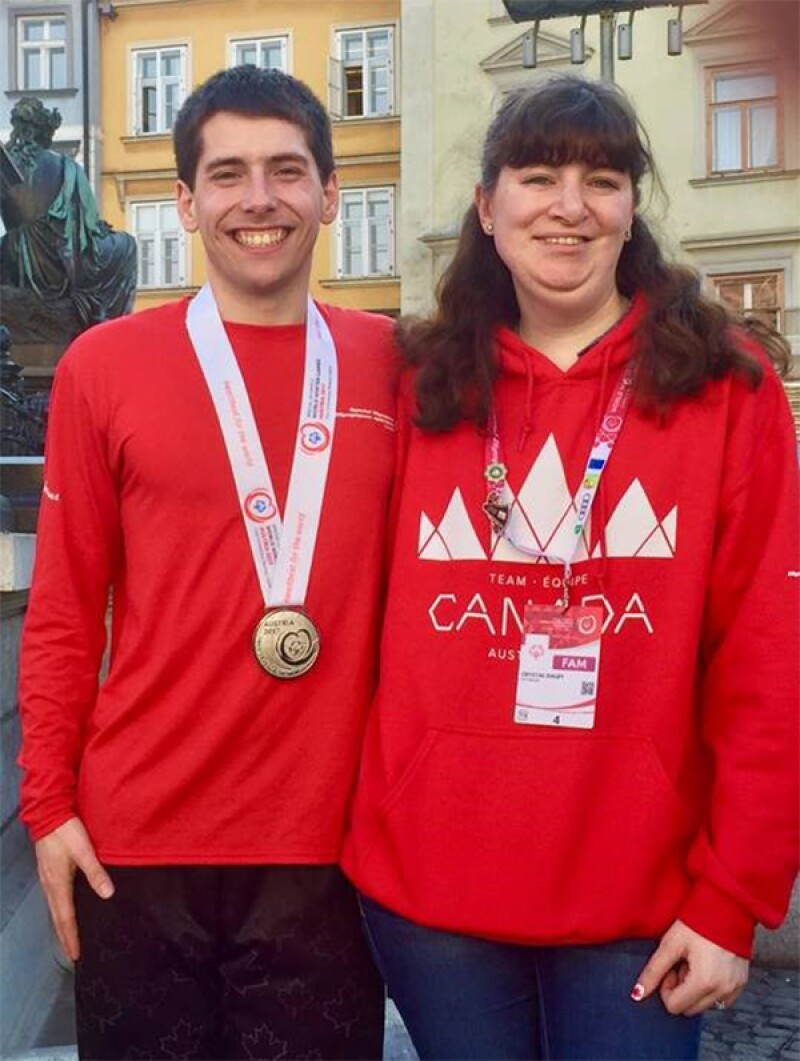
286	643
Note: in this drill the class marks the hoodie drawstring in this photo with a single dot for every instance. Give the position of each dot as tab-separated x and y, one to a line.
527	425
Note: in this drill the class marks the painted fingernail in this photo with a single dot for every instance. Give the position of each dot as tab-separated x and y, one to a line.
638	992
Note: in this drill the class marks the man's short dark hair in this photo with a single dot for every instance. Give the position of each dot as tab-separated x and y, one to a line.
255	93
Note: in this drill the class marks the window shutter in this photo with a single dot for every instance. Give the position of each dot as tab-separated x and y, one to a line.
136	101
184	74
335	87
390	72
392	267
182	257
339	245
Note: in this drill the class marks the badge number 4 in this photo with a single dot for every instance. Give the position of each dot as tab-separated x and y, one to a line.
559	667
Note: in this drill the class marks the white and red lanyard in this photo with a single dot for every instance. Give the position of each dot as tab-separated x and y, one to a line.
496	504
282	549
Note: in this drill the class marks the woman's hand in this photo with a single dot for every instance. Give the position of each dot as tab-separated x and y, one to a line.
691	973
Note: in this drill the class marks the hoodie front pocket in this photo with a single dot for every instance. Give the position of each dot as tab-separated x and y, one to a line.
541	838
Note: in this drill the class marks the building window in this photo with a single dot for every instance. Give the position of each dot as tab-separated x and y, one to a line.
159	88
362	73
757	295
268	53
161	244
41	53
365	231
744	119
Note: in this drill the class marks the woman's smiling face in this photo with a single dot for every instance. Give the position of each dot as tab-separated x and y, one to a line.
560	231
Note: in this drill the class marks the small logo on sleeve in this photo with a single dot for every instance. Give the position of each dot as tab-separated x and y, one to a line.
370	415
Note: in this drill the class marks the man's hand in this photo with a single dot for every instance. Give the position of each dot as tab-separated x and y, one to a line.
58	855
691	973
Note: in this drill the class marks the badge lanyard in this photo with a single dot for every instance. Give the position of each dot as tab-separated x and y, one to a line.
497	507
283	549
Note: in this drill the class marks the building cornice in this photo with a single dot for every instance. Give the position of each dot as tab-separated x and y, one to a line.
118	5
738	239
387	158
122	178
730	22
359	281
721	180
443	238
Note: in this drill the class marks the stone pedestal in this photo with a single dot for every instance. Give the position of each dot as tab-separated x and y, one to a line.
29	973
22	489
31	320
38	361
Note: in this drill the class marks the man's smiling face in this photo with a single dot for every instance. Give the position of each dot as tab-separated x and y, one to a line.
257	203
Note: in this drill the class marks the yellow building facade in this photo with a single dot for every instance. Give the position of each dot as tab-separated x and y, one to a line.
154	52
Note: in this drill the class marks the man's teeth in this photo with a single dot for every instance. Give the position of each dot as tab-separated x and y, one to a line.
262	238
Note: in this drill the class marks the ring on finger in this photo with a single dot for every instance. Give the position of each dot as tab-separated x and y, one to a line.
719	1004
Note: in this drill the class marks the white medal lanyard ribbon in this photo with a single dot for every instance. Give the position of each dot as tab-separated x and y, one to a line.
604	441
283	549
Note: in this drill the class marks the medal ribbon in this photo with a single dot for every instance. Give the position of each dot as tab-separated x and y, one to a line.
283	549
604	441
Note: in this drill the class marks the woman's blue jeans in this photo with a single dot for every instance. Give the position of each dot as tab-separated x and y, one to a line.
467	998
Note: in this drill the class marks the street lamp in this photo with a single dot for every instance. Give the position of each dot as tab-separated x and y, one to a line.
529	47
625	38
537	11
675	34
577	43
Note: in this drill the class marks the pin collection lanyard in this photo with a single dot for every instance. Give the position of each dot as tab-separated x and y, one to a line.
498	507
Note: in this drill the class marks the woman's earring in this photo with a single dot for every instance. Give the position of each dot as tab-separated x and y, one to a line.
488	228
629	234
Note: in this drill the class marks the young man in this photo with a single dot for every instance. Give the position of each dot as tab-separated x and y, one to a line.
222	465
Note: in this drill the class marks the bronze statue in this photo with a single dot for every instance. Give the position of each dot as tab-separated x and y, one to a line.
56	244
23	417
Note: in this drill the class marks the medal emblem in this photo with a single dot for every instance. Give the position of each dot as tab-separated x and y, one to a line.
286	643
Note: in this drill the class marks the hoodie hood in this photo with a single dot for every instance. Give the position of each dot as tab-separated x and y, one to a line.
595	365
610	350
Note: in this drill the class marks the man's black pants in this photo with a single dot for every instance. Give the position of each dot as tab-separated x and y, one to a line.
218	962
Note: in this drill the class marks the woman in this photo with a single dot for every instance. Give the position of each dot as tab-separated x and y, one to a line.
572	814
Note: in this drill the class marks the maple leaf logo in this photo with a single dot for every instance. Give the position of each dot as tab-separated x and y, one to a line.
262	1042
183	1040
295	997
343	1010
147	996
103	1008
